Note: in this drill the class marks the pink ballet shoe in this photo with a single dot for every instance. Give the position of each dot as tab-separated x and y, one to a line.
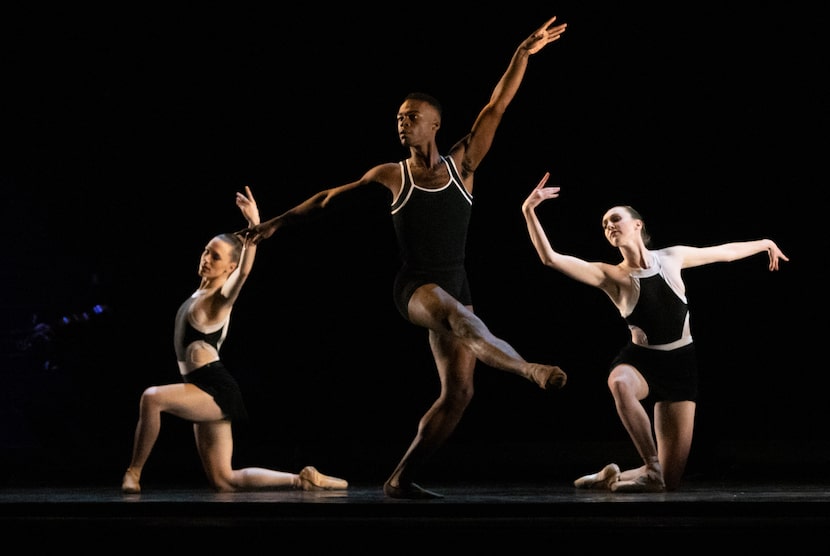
605	479
311	479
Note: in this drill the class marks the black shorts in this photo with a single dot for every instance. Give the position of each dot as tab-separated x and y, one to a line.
453	281
215	379
671	375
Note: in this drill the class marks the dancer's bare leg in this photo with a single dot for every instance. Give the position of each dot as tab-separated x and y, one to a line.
433	308
456	365
628	387
495	352
214	441
674	427
183	400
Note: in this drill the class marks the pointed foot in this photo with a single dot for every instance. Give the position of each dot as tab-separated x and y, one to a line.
311	479
604	479
410	491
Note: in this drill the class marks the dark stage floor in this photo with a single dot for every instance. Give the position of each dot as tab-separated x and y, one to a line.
518	517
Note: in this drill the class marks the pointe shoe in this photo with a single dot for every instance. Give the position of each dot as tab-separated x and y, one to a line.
605	479
311	479
547	376
409	492
130	484
643	483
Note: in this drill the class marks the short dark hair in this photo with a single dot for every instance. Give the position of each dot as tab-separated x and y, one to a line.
429	99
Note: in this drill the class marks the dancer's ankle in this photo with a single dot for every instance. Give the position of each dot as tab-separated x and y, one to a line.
653	465
131	483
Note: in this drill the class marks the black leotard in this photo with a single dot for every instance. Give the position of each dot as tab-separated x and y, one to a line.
659	312
213	378
663	315
431	228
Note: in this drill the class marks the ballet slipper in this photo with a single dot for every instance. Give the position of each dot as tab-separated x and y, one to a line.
646	482
311	479
602	480
548	376
410	491
130	483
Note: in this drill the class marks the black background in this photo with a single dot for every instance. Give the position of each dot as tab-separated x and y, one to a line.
127	134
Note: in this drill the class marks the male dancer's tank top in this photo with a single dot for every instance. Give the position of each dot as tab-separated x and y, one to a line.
431	224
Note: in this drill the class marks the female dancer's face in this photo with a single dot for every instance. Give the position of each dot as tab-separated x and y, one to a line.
620	227
216	259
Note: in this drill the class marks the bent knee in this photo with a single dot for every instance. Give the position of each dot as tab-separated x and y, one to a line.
457	399
150	392
151	396
221	483
466	325
623	388
463	396
619	387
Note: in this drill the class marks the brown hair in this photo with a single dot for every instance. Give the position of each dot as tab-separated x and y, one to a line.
235	242
637	216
